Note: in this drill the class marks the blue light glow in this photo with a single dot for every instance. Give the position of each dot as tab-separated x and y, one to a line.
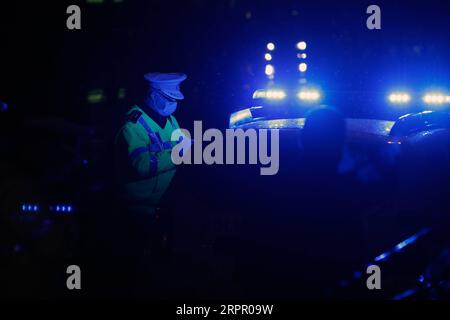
406	242
3	106
62	208
402	244
411	239
405	294
382	256
29	207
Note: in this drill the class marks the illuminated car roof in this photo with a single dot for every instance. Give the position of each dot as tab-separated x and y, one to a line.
357	129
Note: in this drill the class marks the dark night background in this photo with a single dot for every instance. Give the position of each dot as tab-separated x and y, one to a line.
56	142
219	44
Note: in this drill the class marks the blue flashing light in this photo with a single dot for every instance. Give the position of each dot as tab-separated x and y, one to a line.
3	106
405	294
402	244
62	208
29	207
382	256
411	239
406	242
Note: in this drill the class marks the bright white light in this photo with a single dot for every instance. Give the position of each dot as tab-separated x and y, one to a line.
301	45
268	56
399	97
275	94
308	95
435	98
270	70
302	67
269	94
270	46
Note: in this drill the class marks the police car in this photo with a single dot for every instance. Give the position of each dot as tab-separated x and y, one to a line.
283	104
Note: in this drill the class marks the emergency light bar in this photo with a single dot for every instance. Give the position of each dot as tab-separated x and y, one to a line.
269	94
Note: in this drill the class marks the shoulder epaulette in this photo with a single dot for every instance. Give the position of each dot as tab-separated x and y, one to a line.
134	116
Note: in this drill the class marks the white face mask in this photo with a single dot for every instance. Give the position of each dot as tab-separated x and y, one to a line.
161	104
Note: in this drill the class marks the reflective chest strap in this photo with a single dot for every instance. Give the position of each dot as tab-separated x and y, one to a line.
155	145
154	139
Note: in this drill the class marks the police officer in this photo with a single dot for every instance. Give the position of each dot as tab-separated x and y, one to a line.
144	170
144	144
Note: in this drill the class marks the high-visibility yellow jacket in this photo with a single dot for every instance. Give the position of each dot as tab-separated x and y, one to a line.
143	159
